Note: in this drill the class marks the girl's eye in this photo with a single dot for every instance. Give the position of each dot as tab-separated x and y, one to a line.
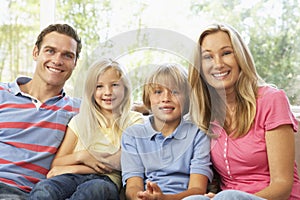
115	84
99	86
227	53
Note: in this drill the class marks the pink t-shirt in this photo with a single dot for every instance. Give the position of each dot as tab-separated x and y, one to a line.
243	163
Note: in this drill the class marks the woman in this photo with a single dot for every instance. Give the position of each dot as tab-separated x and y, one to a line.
250	121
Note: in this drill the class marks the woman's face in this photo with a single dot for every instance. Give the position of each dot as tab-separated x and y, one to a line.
219	65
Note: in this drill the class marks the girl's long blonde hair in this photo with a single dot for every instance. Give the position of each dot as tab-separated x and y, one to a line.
90	116
208	105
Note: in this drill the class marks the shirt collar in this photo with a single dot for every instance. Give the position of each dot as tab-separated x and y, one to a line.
15	88
178	133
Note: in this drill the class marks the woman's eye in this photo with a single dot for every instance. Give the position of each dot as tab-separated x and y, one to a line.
207	57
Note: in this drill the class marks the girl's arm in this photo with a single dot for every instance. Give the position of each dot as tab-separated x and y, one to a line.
73	169
281	155
82	159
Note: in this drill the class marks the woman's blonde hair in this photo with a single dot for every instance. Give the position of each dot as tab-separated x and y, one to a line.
167	74
207	104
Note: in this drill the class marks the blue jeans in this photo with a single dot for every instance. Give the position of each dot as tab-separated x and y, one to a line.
75	186
227	195
8	192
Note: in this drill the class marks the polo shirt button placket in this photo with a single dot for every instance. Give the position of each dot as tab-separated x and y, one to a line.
225	157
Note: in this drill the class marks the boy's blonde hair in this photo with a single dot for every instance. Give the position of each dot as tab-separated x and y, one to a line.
169	75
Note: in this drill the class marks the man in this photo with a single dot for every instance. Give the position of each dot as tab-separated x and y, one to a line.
34	112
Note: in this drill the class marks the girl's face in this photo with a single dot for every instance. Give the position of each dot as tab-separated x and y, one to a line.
167	104
110	91
219	65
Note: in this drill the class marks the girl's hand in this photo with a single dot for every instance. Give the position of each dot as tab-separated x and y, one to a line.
58	170
87	159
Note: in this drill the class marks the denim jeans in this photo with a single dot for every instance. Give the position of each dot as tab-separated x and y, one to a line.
227	195
8	192
75	186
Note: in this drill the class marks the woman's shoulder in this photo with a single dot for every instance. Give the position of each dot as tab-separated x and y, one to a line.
269	92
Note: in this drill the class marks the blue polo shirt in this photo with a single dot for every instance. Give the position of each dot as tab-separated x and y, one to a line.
30	133
168	161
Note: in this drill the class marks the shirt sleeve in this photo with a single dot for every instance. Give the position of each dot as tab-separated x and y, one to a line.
273	110
200	163
131	162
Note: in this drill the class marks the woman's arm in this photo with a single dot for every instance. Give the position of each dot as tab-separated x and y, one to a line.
281	155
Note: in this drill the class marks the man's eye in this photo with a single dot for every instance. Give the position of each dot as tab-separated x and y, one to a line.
51	51
70	56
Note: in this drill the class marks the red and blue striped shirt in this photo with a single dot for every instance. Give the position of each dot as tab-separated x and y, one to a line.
30	133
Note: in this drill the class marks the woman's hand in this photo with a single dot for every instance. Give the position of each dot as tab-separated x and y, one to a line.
210	195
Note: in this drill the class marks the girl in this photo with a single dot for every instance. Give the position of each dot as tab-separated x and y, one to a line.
87	164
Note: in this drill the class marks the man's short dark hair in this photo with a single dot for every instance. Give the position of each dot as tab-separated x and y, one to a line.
63	29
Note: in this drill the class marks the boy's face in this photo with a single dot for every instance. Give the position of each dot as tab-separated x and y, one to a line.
167	104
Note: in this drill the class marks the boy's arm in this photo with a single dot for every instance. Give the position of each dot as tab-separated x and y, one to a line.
133	186
197	186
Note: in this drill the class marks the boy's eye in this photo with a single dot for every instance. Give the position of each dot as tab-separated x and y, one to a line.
157	91
175	92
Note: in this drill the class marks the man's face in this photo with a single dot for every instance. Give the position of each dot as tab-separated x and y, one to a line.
56	59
